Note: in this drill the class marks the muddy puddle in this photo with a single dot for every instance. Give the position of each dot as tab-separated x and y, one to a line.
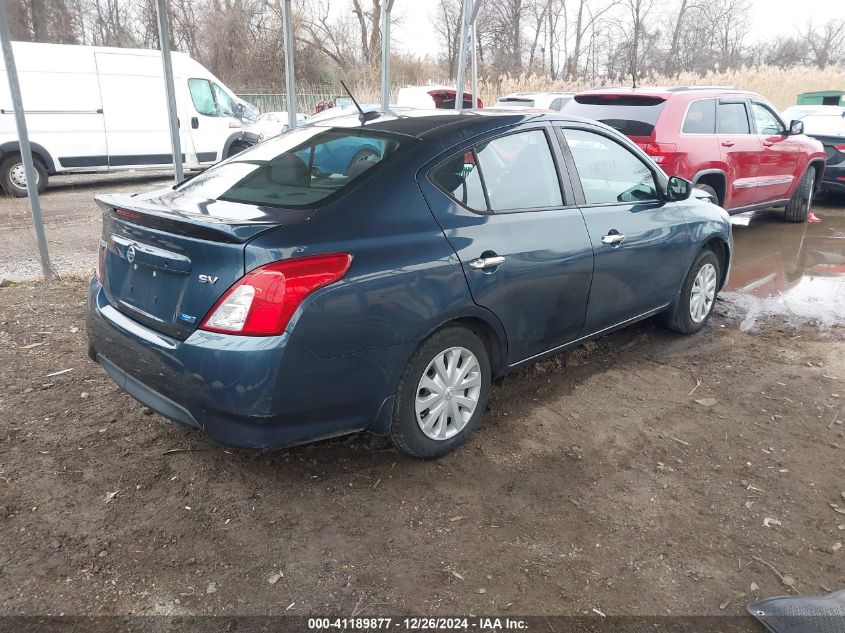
790	275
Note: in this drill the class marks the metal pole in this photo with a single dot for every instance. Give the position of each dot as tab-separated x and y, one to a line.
474	67
462	57
386	8
289	51
26	151
170	91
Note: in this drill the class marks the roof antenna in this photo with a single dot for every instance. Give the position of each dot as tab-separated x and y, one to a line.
363	117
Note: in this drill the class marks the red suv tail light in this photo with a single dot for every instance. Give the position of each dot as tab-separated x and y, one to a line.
262	302
660	153
839	148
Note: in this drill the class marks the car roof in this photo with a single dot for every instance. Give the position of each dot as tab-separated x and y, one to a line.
428	123
690	92
537	94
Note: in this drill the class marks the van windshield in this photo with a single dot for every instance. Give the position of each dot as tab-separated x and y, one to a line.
296	169
633	115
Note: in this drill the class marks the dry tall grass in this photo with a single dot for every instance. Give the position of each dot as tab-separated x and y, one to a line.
779	86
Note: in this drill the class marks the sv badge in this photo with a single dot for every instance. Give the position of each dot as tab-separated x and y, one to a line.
208	279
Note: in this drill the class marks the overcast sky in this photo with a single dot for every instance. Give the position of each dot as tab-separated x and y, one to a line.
770	18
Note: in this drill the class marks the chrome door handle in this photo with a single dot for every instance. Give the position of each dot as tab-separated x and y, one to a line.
611	239
727	144
480	263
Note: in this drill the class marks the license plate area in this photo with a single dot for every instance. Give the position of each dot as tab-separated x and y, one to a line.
147	281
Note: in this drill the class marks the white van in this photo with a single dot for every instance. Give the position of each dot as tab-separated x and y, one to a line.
104	109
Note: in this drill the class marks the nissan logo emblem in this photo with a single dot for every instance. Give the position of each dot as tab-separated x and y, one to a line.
130	254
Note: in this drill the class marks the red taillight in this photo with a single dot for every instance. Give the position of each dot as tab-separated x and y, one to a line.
125	213
839	148
660	152
262	302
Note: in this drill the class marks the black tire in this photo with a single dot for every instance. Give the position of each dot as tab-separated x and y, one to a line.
11	169
711	192
236	148
405	432
679	318
798	207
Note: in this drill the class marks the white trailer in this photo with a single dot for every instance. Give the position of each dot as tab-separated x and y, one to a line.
98	109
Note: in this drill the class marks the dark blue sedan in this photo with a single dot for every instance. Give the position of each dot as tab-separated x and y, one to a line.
271	301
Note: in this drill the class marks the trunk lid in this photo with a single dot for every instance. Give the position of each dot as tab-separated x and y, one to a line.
169	256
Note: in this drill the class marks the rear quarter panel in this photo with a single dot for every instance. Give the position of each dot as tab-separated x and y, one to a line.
405	279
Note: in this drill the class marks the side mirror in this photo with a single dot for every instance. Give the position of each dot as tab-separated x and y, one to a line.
678	189
796	127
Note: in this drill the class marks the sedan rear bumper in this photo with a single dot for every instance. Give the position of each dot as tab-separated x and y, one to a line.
241	391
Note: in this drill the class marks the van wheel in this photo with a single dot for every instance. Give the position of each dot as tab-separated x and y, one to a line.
442	394
13	177
236	148
798	208
698	295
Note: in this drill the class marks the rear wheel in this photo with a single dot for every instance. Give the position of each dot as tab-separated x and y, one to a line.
13	176
798	208
442	394
698	295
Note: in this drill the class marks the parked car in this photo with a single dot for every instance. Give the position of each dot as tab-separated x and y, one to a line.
432	97
270	124
730	143
268	304
541	100
97	109
827	125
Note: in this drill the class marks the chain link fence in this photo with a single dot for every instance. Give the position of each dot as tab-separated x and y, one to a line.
269	102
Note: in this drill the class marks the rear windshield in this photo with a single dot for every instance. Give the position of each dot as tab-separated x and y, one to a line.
300	168
631	115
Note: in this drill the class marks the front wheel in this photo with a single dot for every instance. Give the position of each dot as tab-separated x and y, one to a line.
698	295
13	176
798	207
442	393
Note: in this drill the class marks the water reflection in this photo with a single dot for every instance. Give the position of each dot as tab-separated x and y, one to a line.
791	272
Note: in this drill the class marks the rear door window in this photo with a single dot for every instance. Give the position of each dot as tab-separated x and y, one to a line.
701	117
300	168
519	172
633	115
609	173
515	171
732	118
459	177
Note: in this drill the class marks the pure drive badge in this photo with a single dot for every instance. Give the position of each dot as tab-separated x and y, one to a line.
187	318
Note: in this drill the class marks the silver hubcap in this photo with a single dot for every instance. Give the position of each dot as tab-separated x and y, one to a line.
18	176
448	393
703	293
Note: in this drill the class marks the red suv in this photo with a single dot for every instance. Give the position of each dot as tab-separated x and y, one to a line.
730	143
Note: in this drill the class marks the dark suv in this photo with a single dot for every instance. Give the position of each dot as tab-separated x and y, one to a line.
730	143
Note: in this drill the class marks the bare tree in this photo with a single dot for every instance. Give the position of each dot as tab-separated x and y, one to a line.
447	23
826	45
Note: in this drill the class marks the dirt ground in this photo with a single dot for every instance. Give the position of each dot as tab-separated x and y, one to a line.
644	474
